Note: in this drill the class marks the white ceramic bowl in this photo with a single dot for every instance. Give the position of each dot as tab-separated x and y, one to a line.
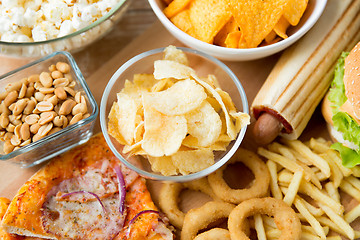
311	15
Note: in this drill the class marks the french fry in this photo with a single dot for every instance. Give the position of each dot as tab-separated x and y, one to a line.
332	191
336	158
336	174
273	234
274	187
328	222
283	161
314	179
268	221
338	220
259	227
319	145
293	188
352	214
354	181
320	197
310	218
316	212
315	159
350	189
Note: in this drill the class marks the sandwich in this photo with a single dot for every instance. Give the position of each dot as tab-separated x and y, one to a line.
341	107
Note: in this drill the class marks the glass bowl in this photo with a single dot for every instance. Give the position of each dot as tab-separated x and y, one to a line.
72	42
310	17
60	141
203	64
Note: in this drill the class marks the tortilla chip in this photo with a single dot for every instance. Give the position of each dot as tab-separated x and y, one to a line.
257	18
175	7
233	39
208	17
281	27
294	11
229	27
270	37
182	21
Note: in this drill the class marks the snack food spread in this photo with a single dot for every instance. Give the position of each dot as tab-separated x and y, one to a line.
236	24
174	118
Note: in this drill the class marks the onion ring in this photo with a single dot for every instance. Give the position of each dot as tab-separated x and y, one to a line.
169	197
199	218
259	187
214	234
285	217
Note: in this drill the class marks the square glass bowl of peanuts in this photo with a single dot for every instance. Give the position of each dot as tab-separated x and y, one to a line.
46	108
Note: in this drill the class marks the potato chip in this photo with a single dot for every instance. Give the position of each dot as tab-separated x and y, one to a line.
113	126
162	85
163	134
184	96
281	27
164	165
128	149
171	69
208	17
139	132
126	117
257	18
232	40
176	55
230	128
214	103
193	161
144	81
294	11
241	119
229	104
175	7
204	124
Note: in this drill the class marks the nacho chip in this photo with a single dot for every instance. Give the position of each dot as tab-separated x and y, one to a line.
232	40
204	124
183	22
193	161
164	165
184	96
163	134
294	11
171	69
257	18
270	37
208	17
229	27
281	27
175	7
176	55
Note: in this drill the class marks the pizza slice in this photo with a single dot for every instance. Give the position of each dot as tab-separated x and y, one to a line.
85	193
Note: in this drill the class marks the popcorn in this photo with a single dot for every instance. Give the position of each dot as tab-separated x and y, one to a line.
48	19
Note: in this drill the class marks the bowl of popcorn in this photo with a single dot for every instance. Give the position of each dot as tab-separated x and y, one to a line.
46	108
238	30
38	28
174	114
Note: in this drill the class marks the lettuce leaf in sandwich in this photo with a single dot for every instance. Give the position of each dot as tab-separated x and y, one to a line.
342	121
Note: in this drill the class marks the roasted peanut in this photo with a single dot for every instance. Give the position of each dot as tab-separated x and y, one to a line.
67	107
79	108
35	128
4	120
29	91
57	74
8	136
30	106
44	106
77	97
22	91
8	147
38	85
15	140
26	142
14	120
54	130
46	79
32	119
4	109
34	78
70	91
46	117
63	67
46	90
17	131
37	137
3	95
10	128
44	129
25	131
15	86
10	98
69	76
19	106
39	96
60	93
53	100
76	118
61	82
52	68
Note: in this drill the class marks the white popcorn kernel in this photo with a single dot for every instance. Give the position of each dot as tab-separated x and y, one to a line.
38	34
66	28
56	11
29	17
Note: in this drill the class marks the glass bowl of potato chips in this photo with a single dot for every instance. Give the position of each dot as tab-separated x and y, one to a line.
238	30
174	114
